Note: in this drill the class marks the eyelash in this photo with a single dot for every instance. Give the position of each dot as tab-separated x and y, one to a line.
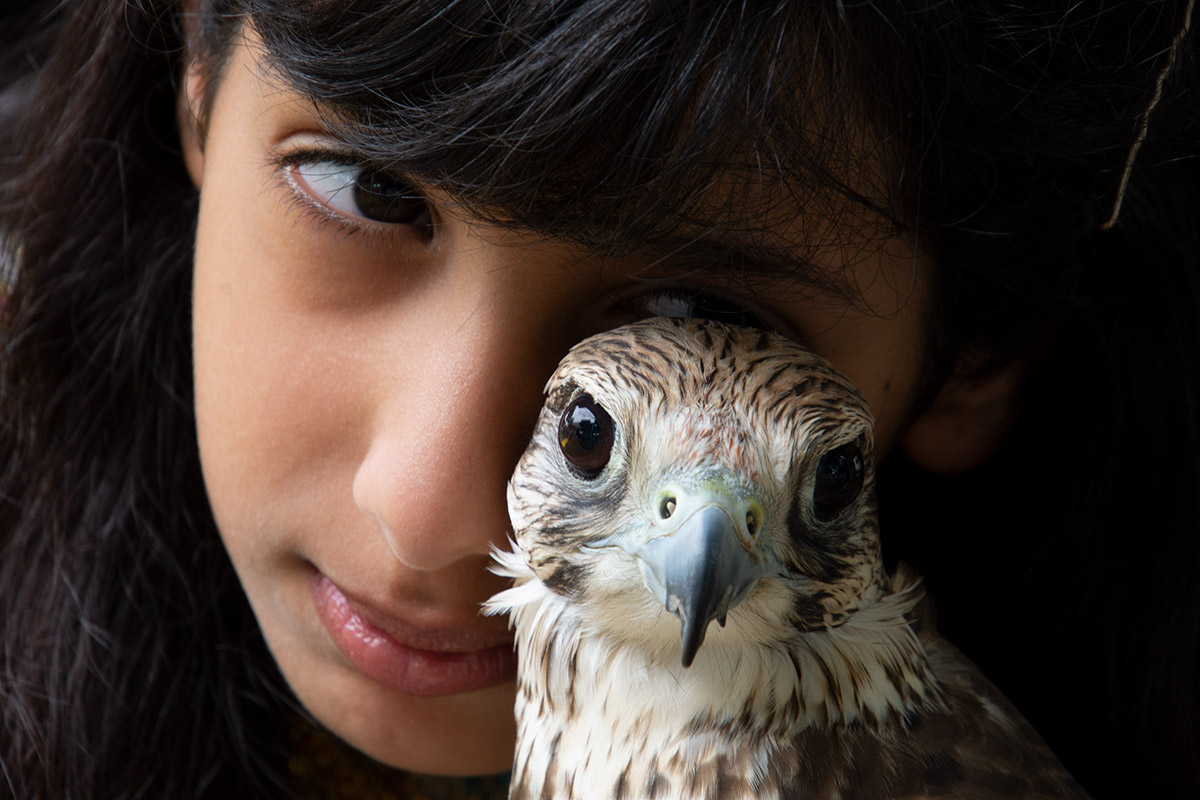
708	304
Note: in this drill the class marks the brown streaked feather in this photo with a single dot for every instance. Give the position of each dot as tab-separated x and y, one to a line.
829	682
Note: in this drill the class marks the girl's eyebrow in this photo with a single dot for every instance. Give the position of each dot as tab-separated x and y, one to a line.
716	256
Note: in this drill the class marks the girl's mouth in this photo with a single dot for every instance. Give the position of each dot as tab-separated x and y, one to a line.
414	661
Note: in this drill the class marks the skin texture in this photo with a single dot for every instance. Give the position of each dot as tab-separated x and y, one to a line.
363	395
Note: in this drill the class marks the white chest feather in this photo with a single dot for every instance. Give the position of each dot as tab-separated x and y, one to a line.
596	722
596	719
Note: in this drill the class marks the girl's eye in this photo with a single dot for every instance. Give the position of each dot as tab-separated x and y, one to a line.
692	303
358	192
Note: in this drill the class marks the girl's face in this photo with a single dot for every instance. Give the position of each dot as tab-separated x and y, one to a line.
368	369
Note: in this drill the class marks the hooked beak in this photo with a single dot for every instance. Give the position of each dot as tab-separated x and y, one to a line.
702	569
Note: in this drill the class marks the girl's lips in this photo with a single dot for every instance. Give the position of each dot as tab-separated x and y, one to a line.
421	662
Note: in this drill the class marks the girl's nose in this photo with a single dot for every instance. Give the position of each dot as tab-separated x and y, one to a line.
435	472
449	428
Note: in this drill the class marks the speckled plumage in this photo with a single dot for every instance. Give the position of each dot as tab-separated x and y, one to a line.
826	682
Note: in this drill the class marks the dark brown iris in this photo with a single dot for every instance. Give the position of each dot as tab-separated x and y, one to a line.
383	198
838	482
585	434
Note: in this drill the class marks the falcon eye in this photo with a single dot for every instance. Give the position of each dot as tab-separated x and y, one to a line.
585	434
839	480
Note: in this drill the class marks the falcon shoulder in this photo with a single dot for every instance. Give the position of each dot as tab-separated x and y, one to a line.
969	743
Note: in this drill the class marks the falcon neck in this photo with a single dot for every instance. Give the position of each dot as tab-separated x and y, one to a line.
592	711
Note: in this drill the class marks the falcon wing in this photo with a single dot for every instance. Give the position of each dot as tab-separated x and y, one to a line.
976	746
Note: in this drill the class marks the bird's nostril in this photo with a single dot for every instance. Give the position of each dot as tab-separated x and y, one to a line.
752	522
667	507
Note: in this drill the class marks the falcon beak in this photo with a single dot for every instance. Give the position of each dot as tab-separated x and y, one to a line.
703	568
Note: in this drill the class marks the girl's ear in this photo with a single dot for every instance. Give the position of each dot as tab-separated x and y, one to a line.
967	421
189	102
187	111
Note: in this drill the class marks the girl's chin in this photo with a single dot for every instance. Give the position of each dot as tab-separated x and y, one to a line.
464	734
431	700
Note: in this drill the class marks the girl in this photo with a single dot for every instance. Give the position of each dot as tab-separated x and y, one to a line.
289	277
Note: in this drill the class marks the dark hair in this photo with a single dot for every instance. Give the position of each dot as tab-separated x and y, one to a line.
1064	567
131	666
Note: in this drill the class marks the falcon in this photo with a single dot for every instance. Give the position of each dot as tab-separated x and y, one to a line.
699	601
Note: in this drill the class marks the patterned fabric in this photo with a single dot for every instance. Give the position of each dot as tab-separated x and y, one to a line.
323	767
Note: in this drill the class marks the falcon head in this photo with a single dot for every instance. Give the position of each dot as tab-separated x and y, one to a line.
686	471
